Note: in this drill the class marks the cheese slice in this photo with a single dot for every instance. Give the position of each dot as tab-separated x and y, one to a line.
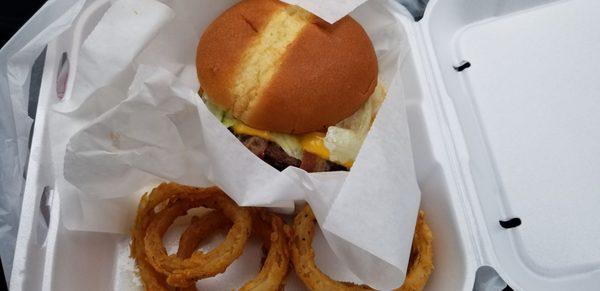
241	128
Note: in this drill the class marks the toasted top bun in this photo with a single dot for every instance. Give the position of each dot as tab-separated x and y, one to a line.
277	67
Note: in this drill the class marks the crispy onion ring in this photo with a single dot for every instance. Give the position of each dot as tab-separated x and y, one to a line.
270	228
184	272
267	226
151	279
303	256
199	229
151	256
420	265
158	210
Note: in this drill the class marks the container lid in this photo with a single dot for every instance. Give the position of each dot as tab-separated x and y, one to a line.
523	78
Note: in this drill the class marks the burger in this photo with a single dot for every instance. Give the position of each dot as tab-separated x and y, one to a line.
294	89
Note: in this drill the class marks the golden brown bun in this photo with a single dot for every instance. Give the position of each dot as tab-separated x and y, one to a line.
278	67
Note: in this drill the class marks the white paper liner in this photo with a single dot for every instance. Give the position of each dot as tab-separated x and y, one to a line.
331	10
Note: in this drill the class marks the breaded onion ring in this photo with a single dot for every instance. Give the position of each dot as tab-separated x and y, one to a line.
303	256
184	272
420	264
151	279
169	194
270	228
199	229
267	226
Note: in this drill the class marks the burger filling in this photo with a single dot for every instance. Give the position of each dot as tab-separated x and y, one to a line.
314	152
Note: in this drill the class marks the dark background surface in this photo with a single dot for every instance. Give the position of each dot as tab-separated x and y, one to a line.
3	285
14	15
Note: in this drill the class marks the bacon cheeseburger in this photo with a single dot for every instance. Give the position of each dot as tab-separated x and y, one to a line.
294	89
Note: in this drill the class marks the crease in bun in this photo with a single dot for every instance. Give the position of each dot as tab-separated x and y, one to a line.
261	60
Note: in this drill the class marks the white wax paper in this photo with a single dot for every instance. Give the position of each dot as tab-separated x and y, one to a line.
331	10
132	118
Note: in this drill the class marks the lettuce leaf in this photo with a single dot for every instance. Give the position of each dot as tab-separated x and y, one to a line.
228	120
288	143
215	110
223	116
345	139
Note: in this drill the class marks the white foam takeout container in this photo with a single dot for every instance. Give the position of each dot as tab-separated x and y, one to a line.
503	109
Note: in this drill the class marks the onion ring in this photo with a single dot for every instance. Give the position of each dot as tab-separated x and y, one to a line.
151	279
420	264
184	272
199	229
269	227
303	256
168	194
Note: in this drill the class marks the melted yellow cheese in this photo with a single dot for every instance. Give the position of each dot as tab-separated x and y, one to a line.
241	128
313	143
310	142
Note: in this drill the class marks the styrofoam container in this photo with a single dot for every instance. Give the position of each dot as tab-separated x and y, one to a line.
504	116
